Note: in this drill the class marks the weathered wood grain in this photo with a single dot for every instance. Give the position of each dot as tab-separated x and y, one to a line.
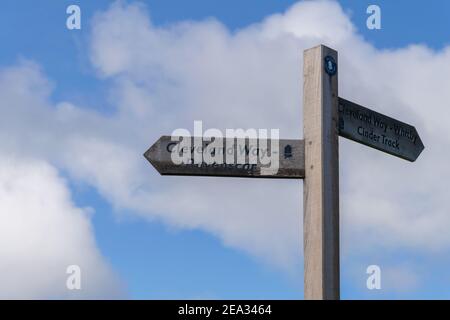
321	186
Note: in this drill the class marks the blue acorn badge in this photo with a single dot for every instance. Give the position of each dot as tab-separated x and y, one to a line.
330	65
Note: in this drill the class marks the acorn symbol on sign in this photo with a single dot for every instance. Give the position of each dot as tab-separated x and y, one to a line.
288	151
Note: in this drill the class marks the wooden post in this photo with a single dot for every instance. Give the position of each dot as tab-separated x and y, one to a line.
321	186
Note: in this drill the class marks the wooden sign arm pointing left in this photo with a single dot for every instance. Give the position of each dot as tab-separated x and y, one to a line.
290	154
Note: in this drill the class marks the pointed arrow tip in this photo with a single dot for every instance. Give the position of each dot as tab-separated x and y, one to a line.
420	146
152	155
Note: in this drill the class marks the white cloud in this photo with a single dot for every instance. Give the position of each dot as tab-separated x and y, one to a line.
167	77
42	233
252	78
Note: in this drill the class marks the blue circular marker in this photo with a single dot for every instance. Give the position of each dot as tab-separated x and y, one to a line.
330	65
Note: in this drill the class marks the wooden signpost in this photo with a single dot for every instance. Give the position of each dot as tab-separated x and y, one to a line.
321	186
314	159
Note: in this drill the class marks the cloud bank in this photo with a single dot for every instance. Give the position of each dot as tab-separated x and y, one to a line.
170	76
164	78
42	233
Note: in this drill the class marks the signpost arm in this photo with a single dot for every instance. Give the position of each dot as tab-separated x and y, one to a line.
321	186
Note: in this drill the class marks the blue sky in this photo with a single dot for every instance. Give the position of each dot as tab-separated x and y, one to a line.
153	259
